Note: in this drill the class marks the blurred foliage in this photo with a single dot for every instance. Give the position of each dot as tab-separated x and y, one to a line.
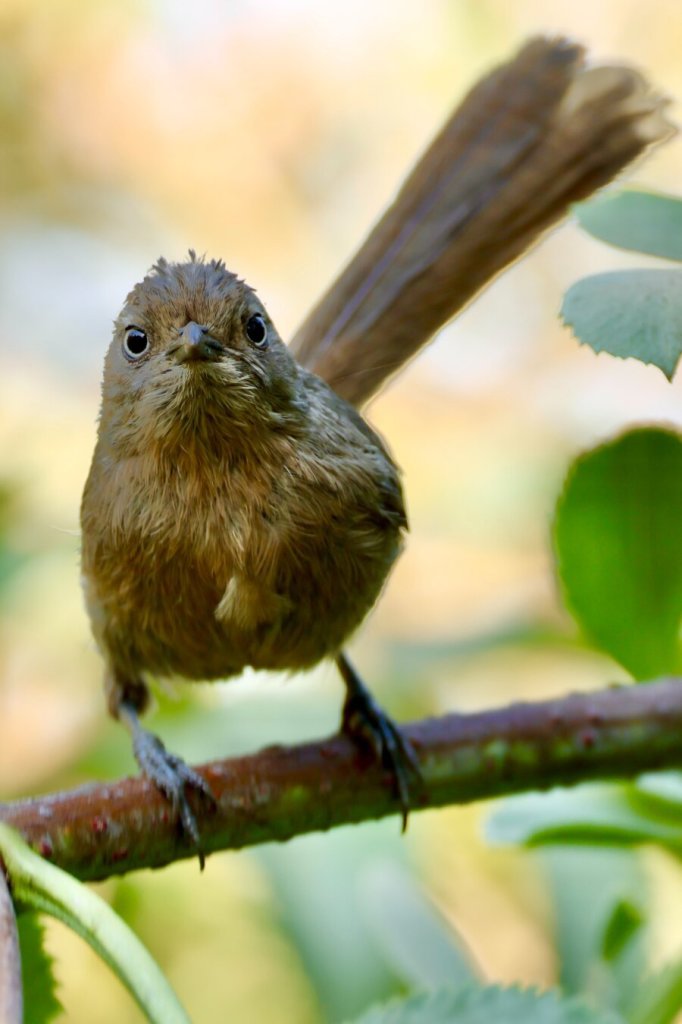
659	999
619	548
602	902
12	559
620	568
619	815
422	946
482	1005
319	892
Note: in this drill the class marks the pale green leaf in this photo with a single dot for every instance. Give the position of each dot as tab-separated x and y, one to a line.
319	880
423	948
662	788
599	947
474	1005
587	814
629	313
659	997
641	221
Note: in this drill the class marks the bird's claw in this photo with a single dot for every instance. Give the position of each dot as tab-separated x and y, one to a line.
173	777
364	720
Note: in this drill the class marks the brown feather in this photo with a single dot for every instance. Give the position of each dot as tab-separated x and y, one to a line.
534	136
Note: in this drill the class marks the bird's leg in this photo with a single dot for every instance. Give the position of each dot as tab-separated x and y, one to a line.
169	773
364	720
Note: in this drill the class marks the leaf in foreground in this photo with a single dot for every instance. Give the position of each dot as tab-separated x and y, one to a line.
473	1005
630	314
642	221
597	952
618	548
41	886
422	947
659	997
41	1004
616	815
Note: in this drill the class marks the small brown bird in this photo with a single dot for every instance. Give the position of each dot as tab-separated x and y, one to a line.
238	510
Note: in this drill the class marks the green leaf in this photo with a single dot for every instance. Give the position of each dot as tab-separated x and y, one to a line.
473	1005
587	814
624	923
630	314
587	884
43	887
41	1004
642	221
618	548
319	879
626	940
659	997
423	948
662	788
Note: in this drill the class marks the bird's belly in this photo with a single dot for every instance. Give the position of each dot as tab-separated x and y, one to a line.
175	620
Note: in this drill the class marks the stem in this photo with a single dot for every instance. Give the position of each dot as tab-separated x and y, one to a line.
47	889
11	991
101	830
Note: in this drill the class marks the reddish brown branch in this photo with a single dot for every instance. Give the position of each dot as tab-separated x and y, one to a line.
102	830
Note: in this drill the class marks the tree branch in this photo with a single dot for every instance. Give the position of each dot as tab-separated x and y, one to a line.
102	830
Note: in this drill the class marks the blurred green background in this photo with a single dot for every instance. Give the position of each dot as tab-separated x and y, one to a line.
271	134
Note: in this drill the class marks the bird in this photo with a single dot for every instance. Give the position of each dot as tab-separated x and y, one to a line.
239	509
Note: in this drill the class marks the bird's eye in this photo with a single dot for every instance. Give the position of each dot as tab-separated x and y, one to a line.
135	343
257	331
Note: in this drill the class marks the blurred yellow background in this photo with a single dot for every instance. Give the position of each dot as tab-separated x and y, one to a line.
272	134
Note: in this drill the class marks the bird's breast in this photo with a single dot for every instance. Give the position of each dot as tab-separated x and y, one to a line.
200	573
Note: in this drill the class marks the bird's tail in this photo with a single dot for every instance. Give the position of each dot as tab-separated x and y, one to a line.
534	136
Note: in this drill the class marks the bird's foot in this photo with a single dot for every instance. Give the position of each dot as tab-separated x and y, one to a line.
364	720
170	774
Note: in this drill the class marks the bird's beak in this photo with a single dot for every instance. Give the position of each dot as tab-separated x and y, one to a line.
195	343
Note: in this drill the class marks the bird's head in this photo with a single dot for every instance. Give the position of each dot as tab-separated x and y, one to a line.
195	358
